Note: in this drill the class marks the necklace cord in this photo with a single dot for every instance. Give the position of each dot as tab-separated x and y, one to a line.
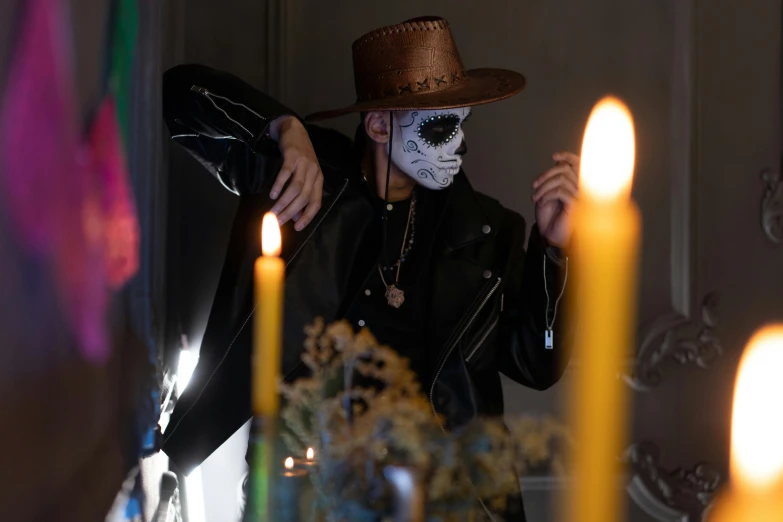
385	211
549	325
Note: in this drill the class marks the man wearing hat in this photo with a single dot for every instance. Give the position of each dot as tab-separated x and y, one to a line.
385	232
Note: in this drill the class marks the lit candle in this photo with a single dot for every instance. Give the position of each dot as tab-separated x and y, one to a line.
268	320
604	253
756	490
308	462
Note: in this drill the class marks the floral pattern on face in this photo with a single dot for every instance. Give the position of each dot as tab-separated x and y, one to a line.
427	145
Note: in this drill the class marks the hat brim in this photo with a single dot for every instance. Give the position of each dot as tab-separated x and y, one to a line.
478	86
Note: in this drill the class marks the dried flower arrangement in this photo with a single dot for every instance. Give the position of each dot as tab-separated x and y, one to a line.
362	409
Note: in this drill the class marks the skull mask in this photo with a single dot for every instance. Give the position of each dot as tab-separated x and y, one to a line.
427	145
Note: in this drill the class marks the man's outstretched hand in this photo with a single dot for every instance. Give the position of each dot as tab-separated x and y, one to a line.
300	182
554	194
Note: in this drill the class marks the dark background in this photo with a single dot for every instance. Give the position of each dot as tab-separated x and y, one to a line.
702	79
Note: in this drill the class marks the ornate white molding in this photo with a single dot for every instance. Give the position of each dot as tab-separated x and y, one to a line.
772	205
664	340
679	495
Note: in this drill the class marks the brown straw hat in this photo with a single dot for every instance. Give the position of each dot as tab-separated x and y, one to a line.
416	65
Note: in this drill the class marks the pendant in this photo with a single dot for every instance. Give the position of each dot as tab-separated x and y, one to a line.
394	296
549	341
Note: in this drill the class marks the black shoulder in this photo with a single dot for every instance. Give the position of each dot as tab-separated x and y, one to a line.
335	151
501	216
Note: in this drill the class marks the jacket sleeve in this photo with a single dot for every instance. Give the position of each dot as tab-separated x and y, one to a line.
224	123
537	279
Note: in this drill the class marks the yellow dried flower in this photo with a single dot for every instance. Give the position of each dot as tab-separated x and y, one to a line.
359	428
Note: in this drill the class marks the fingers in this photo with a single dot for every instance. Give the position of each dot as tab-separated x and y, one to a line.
564	193
563	182
293	189
313	206
563	170
299	193
569	157
282	178
294	197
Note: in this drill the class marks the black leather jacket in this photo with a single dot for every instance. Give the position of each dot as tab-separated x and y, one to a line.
489	300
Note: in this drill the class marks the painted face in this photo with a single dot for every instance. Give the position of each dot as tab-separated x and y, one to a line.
426	144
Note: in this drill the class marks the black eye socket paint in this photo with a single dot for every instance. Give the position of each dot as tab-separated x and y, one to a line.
438	130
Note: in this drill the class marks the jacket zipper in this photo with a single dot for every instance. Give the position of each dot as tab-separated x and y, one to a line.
443	363
220	363
483	338
462	332
211	95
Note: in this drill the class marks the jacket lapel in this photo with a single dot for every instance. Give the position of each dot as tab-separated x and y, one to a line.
460	273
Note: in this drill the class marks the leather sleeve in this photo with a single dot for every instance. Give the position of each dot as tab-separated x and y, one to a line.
523	356
223	122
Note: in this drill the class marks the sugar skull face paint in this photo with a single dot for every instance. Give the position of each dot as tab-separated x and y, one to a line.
427	145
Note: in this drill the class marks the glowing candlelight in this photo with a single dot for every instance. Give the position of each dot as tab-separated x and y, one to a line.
308	463
756	492
271	241
608	153
605	253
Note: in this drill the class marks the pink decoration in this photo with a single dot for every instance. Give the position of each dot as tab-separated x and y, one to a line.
69	201
38	128
121	232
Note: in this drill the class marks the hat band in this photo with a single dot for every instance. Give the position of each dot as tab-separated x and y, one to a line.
415	81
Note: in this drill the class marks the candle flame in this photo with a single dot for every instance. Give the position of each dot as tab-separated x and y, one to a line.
289	463
757	431
608	151
270	235
310	454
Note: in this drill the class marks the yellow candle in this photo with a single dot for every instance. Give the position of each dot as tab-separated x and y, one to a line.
268	320
604	254
756	490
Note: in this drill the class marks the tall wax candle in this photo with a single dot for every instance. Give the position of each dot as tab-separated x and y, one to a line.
755	493
268	320
605	256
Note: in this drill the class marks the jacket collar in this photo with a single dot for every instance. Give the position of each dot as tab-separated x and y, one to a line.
464	219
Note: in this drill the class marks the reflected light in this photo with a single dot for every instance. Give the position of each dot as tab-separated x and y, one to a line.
187	363
194	491
270	235
608	151
756	431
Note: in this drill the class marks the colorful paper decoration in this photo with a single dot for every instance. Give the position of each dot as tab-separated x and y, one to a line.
68	198
38	127
123	47
119	220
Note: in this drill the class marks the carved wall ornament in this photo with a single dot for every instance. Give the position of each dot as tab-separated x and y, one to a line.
682	495
772	205
663	340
